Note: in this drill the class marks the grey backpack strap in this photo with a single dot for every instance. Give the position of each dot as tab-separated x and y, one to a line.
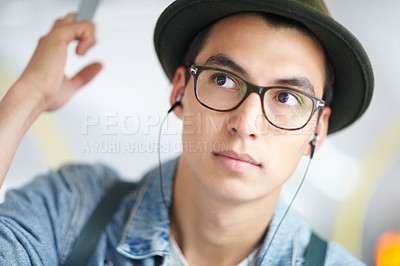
316	251
88	238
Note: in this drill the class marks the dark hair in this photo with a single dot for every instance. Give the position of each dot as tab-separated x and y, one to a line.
275	21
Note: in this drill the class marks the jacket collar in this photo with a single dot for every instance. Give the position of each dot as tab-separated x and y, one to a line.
146	233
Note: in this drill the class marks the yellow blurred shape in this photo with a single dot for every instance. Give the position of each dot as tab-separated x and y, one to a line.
388	249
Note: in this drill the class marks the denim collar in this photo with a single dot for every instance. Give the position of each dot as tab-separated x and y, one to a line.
146	233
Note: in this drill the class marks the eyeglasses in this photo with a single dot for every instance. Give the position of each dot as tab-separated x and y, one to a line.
285	108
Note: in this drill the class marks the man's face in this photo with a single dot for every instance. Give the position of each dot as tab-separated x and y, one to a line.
238	155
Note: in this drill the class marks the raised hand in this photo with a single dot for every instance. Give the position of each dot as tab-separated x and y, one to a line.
43	85
45	71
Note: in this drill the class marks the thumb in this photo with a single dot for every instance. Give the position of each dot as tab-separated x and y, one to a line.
85	75
71	86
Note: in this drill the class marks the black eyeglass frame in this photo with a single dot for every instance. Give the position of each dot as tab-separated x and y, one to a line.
194	70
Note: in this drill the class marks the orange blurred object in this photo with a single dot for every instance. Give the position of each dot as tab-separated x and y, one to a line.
388	249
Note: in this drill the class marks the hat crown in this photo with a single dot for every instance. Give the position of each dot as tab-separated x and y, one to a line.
318	5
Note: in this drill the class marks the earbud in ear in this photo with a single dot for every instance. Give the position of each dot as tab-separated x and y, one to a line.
177	102
179	97
313	142
315	139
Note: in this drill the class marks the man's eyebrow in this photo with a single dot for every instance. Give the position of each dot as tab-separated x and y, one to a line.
301	83
223	60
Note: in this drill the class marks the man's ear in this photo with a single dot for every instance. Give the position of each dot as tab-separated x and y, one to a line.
321	130
178	90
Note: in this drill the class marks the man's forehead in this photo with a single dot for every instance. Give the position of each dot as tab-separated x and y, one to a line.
271	22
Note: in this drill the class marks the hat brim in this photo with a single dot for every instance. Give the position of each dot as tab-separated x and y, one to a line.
354	80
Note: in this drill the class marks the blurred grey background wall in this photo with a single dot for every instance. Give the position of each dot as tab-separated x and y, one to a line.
352	190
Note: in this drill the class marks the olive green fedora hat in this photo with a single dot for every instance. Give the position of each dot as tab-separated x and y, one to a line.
354	80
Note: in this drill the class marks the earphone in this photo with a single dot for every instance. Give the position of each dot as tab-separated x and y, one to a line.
179	97
176	103
312	143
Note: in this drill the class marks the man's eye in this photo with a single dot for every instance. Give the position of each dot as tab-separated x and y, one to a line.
288	98
224	81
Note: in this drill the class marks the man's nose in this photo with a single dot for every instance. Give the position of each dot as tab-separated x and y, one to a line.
247	121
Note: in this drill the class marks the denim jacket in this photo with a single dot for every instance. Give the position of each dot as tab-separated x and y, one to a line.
39	222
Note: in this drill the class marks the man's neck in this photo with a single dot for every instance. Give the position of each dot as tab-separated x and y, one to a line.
212	231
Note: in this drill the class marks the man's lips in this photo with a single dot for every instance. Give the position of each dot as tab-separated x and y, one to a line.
236	156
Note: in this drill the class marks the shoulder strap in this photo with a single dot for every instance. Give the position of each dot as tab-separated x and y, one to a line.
316	251
88	238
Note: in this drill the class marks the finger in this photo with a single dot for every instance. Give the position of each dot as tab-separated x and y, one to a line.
87	37
84	31
68	19
66	30
85	75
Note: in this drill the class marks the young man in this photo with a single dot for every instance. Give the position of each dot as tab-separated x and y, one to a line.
249	82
